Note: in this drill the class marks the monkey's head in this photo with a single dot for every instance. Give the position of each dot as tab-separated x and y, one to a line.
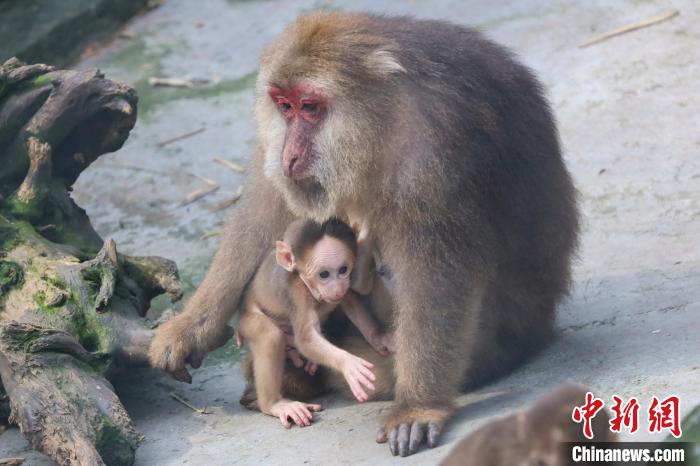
322	254
321	99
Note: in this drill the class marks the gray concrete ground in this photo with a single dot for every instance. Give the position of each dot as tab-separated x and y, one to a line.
629	121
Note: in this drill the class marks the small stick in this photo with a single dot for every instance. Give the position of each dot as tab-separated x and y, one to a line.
211	234
11	461
200	193
177	397
631	27
170	82
226	203
180	138
228	164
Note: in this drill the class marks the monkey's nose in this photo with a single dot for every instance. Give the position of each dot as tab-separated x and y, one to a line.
289	166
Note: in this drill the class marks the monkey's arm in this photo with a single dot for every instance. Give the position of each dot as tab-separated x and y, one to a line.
257	221
437	302
354	308
312	344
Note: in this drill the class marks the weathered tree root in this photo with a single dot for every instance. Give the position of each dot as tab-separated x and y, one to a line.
71	307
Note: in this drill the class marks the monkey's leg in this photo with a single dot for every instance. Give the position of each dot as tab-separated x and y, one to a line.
267	345
437	306
258	220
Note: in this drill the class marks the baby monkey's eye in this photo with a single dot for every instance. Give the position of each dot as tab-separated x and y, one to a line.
325	274
343	270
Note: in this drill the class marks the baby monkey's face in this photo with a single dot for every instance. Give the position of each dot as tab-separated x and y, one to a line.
326	269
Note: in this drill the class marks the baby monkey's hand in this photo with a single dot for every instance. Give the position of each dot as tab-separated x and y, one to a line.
358	375
300	413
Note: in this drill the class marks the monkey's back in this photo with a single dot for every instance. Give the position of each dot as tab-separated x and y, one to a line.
494	158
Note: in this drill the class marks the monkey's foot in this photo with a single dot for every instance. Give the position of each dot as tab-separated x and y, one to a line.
408	428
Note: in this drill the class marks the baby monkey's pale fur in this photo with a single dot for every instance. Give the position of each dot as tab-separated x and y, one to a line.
291	295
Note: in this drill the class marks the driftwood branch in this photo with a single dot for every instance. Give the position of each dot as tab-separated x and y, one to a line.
71	306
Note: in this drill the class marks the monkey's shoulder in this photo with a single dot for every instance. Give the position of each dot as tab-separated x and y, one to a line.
270	287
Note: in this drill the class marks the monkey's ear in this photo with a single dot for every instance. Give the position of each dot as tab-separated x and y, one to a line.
384	63
284	256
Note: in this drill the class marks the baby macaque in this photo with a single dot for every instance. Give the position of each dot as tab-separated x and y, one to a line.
291	295
536	437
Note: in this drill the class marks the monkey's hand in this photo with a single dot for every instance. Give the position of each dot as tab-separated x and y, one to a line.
358	375
176	343
300	413
383	343
409	427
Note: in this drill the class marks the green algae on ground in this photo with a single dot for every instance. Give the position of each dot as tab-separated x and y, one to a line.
141	61
150	97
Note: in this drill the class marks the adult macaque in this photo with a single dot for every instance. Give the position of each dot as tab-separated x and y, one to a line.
292	293
443	144
536	437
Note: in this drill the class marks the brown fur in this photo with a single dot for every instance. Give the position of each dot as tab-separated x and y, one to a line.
535	437
444	145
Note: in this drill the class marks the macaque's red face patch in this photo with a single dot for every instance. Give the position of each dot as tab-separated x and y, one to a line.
303	108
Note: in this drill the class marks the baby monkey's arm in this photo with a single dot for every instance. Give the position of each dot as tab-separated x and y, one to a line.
313	345
354	308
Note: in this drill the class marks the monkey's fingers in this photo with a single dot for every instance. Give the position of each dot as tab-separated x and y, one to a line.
367	364
182	375
295	357
399	439
357	390
304	414
434	431
381	435
368	374
314	407
416	437
311	367
239	339
195	359
283	419
394	441
406	438
298	416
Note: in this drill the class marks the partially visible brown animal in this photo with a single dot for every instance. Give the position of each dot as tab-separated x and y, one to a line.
535	437
444	145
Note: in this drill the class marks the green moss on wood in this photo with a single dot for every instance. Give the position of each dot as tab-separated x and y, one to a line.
11	276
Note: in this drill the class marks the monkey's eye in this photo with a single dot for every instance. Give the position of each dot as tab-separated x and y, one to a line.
343	270
309	106
284	106
324	274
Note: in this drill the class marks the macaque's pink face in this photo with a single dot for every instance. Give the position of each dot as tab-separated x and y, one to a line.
304	109
326	269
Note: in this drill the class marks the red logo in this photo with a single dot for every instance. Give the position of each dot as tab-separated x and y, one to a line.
587	412
663	414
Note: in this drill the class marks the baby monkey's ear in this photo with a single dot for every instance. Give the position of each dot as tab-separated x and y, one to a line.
284	256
